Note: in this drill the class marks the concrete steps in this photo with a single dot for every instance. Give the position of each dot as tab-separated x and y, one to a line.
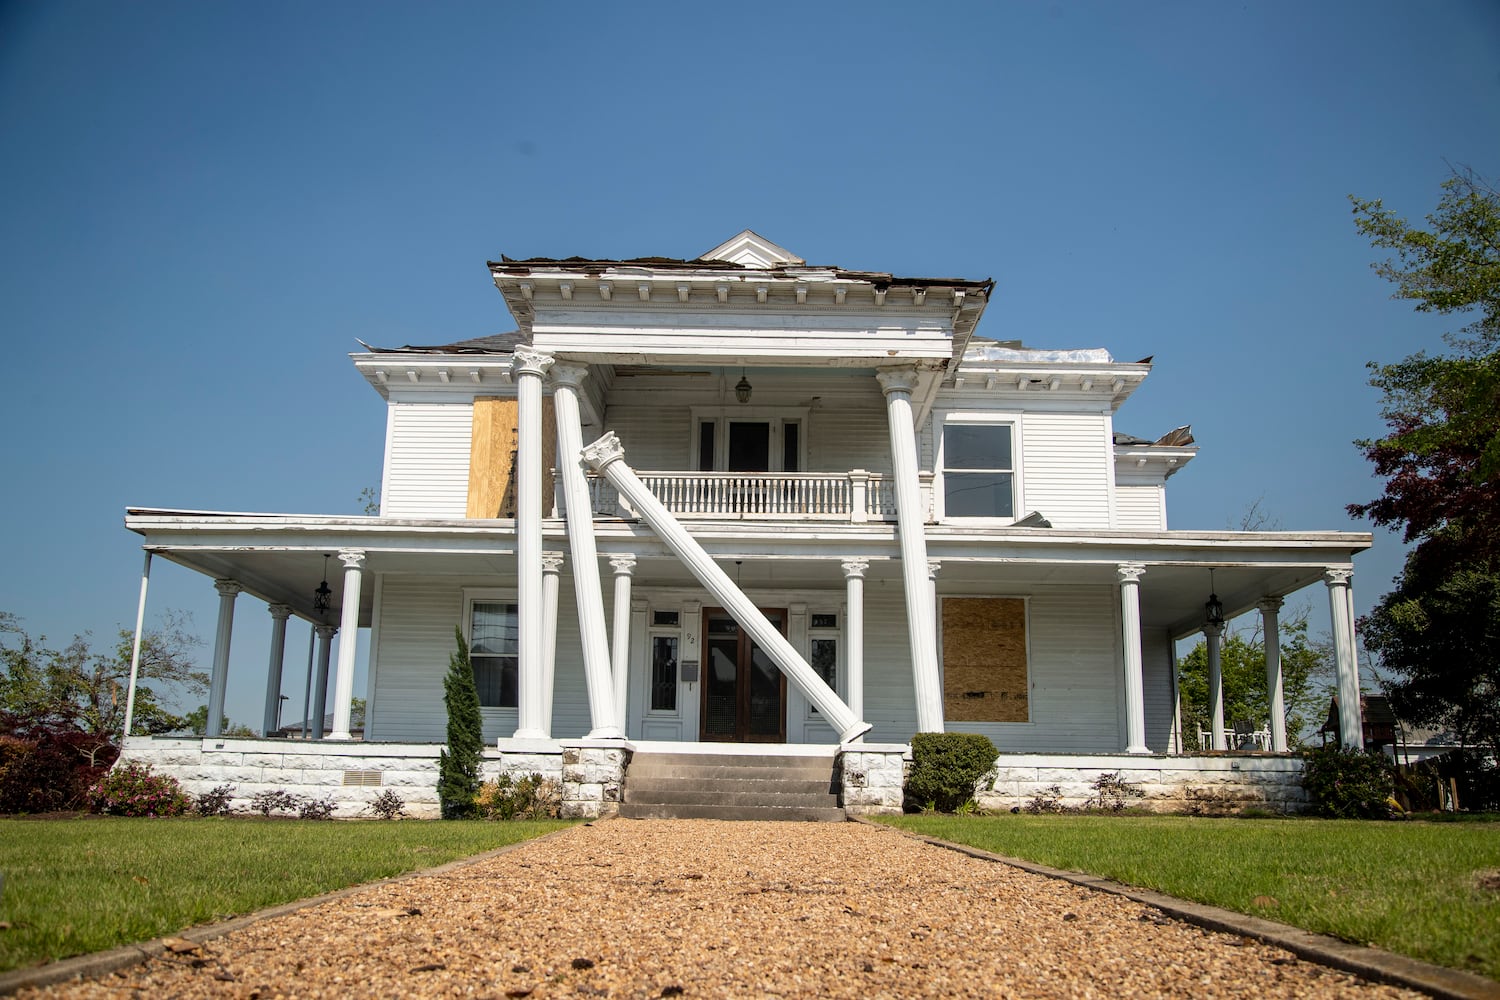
730	786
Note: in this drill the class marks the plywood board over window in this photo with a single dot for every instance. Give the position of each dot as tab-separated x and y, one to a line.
492	457
985	677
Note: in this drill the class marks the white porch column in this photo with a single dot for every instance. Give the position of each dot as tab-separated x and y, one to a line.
1129	575
854	633
623	566
604	455
1211	634
1341	618
596	667
228	591
343	684
897	384
135	650
320	689
934	566
529	366
279	614
551	568
1270	610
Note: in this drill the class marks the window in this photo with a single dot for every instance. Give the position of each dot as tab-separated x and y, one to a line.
978	470
748	439
823	652
664	673
493	629
985	653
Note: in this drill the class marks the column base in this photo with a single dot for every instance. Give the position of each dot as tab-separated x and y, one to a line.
1142	748
606	733
530	734
339	736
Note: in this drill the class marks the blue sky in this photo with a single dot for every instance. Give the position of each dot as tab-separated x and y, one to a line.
204	204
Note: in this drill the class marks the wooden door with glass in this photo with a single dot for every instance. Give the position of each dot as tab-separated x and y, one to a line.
744	692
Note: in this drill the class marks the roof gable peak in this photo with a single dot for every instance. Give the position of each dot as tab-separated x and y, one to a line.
750	249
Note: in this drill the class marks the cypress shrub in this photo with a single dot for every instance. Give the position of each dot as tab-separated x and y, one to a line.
945	768
458	765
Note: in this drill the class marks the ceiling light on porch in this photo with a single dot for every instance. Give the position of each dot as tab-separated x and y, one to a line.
1213	608
322	597
742	388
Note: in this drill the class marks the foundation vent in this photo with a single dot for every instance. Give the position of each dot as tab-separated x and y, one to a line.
364	779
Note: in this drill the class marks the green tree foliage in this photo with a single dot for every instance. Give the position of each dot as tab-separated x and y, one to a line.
945	768
1306	681
80	688
1436	632
458	765
196	722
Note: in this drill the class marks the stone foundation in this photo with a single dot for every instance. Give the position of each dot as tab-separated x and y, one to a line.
592	774
1206	784
871	776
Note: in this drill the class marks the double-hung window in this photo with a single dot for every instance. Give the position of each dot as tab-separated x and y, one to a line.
493	646
979	469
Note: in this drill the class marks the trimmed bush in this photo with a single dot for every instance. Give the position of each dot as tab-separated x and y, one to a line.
133	790
945	768
1346	783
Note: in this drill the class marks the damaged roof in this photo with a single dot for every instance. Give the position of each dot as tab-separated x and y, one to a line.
594	267
495	343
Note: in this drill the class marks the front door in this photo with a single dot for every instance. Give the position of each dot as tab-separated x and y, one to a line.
744	692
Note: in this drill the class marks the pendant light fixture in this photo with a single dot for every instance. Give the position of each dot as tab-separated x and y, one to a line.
1213	608
742	388
322	597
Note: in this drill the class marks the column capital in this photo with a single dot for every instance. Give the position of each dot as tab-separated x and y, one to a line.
1269	605
903	379
552	562
280	612
1212	631
934	566
529	361
228	588
623	564
569	373
602	452
1130	572
1338	577
352	558
325	632
855	568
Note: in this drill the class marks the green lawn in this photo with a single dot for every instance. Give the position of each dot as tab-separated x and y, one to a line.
1409	887
82	885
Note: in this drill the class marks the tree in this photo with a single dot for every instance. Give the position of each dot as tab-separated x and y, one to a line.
80	688
196	722
1440	460
458	765
1306	680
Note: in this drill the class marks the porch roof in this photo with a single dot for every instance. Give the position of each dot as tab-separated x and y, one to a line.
279	557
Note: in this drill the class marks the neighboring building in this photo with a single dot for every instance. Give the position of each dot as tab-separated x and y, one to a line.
830	515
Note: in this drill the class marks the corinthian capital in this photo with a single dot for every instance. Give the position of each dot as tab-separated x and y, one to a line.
903	379
569	374
529	361
605	450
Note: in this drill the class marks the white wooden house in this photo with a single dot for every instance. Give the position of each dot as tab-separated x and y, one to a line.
745	503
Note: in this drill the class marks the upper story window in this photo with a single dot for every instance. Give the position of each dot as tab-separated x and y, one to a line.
978	469
748	439
493	650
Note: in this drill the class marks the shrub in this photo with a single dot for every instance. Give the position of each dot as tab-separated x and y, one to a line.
458	765
1048	800
216	801
272	800
48	766
388	805
133	790
945	769
1111	792
1347	783
529	797
317	808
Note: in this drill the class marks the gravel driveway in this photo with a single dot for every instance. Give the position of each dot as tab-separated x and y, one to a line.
703	908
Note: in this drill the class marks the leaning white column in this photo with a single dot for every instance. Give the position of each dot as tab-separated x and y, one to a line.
279	614
604	455
551	566
854	632
529	366
623	566
343	684
897	383
1270	609
135	650
228	591
1341	618
1212	633
596	669
1129	575
320	694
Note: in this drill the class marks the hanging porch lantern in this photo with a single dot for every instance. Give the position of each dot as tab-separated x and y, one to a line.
742	388
323	596
1214	608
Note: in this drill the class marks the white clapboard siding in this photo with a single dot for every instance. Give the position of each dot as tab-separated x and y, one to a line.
848	435
428	465
1139	508
656	437
889	703
1157	665
1065	468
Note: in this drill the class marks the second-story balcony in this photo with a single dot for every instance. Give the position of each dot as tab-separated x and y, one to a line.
853	497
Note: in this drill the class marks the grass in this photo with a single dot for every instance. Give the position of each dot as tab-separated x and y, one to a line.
80	885
1408	887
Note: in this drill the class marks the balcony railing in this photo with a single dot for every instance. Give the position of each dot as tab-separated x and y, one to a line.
848	497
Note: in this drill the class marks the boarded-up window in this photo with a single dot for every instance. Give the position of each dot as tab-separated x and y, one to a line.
492	457
984	660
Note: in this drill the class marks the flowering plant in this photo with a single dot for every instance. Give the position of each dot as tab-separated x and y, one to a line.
131	789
